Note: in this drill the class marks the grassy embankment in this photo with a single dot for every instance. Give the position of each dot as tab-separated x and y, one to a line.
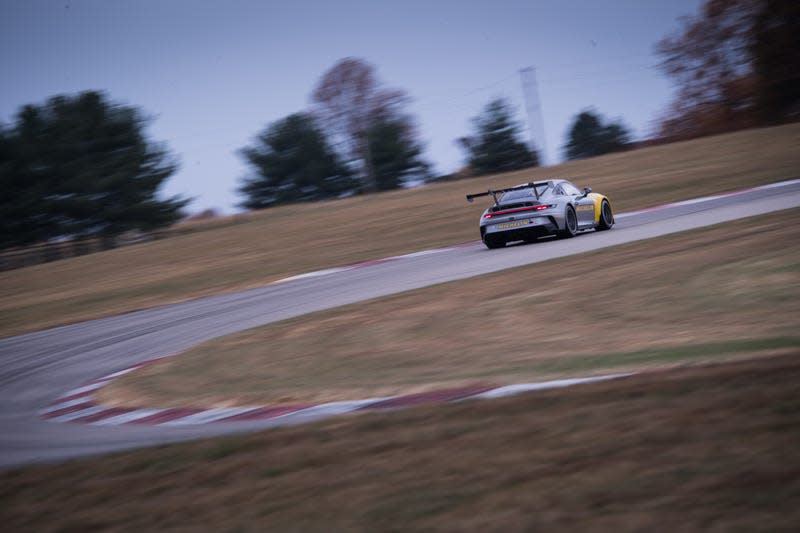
693	449
260	247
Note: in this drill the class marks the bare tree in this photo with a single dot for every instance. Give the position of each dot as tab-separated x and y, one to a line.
349	101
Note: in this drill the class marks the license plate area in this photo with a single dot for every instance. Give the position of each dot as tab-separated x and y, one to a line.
514	224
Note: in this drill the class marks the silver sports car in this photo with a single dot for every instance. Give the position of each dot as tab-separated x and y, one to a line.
532	210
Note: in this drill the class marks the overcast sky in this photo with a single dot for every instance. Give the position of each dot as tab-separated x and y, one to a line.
215	73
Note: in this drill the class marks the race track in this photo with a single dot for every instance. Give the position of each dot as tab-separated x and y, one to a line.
38	367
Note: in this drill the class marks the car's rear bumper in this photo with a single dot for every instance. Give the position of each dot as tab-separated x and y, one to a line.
515	230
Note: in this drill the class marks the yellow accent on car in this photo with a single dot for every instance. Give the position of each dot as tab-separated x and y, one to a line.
598	202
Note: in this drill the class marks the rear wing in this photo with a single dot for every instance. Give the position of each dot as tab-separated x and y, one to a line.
493	193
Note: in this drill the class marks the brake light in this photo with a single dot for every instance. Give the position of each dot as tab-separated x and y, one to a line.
540	207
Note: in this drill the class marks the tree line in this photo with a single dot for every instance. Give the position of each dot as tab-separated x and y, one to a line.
82	166
358	138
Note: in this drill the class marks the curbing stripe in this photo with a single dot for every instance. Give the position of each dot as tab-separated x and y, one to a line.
120	373
409	400
70	396
87	412
91	387
336	408
264	413
78	414
127	418
107	412
56	415
63	405
511	390
166	415
211	415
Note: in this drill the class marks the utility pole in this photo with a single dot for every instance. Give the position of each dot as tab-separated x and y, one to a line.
530	91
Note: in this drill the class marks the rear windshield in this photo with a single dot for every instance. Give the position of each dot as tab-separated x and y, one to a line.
525	193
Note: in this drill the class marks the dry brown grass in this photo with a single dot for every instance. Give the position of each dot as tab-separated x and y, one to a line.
728	291
694	449
259	247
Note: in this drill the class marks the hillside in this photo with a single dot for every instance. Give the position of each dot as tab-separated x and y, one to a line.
256	248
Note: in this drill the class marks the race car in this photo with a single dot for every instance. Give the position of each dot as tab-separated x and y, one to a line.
532	210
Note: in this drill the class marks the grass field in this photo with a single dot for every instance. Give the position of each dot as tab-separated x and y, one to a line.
717	293
690	448
256	248
699	448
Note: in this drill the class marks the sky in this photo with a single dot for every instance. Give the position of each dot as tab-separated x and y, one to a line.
213	74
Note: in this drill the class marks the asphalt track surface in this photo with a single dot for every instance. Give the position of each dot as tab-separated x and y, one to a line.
38	367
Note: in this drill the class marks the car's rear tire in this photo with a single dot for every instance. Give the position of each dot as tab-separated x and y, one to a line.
570	223
492	242
606	217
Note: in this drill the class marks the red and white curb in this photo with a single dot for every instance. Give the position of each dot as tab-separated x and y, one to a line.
336	270
80	406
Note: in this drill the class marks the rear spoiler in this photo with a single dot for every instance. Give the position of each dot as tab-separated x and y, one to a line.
493	193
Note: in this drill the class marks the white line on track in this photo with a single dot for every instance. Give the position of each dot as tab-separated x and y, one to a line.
315	274
118	374
420	254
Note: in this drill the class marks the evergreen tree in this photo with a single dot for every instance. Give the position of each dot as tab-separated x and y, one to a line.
22	220
396	156
496	146
79	166
293	163
589	136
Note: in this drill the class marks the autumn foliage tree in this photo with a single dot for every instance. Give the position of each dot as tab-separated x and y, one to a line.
736	65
